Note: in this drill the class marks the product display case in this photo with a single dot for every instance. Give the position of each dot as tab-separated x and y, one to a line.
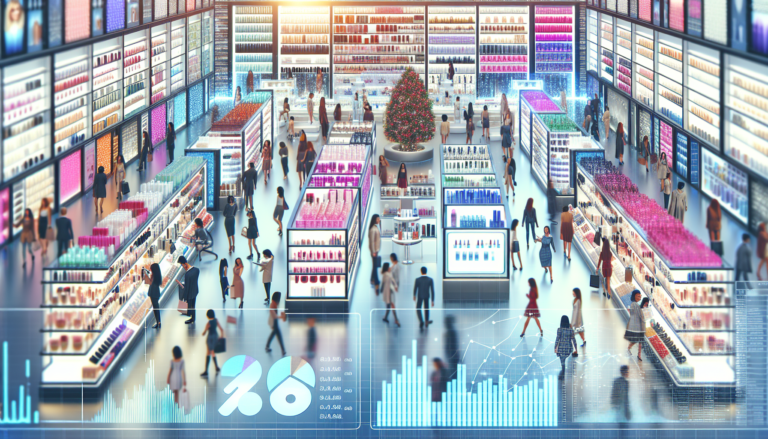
593	40
451	32
136	73
669	78
606	31
252	45
703	93
305	36
72	103
107	84
373	46
619	106
207	52
531	102
95	303
324	244
746	113
224	152
681	155
70	173
690	325
726	183
644	127
644	66
178	64
504	40
160	69
131	138
475	228
194	42
606	64
5	215
28	193
555	44
281	89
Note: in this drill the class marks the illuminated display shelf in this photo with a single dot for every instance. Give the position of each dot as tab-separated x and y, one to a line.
304	37
178	60
451	33
624	38
136	64
107	84
644	77
703	99
72	105
66	366
708	365
555	45
251	43
159	60
746	118
504	40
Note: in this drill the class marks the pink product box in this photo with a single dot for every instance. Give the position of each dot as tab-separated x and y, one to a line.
98	241
100	231
539	101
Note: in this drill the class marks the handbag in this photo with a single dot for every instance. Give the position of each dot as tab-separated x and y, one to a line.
232	319
50	234
150	157
578	329
594	281
598	238
654	159
125	188
182	307
285	205
221	346
717	247
244	232
184	402
642	161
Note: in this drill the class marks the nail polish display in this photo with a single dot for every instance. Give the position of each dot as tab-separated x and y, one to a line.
554	37
624	75
71	87
606	65
69	176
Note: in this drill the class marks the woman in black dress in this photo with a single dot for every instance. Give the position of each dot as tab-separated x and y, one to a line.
324	123
301	155
170	142
620	143
252	233
223	279
145	146
99	190
402	179
229	221
154	278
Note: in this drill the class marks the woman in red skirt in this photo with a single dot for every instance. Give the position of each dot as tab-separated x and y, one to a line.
402	179
605	259
532	310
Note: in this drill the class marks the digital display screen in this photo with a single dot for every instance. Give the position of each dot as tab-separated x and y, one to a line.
760	26
13	34
98	18
676	15
694	17
115	15
132	13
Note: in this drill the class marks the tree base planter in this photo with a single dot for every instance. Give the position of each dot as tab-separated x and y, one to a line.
418	153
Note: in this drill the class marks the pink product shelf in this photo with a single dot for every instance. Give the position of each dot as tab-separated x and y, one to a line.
668	235
325	210
539	101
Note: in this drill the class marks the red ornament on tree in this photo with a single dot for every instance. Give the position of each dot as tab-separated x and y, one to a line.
409	118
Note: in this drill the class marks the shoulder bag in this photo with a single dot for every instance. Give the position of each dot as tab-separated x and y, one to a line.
244	232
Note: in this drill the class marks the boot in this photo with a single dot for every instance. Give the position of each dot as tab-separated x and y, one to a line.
207	362
216	363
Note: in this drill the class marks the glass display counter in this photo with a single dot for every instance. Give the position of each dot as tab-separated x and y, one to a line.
690	322
281	89
225	154
324	244
475	227
533	101
95	303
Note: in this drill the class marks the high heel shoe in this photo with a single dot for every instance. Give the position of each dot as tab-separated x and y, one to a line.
241	305
522	335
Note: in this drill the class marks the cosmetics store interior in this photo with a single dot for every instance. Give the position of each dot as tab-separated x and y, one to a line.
339	177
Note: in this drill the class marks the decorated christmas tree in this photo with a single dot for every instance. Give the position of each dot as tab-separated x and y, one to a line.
409	119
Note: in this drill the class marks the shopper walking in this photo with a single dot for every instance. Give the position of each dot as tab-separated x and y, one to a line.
324	123
367	113
177	375
577	323
587	117
566	231
273	323
383	165
249	184
529	221
266	272
644	155
44	229
374	245
595	103
515	247
506	138
620	142
237	289
451	342
678	204
388	290
509	176
714	221
215	332
154	278
451	71
470	115
238	95
251	233
447	100
301	156
189	289
485	116
545	254
291	129
743	258
65	237
402	179
119	176
146	147
309	159
457	110
230	210
170	142
662	169
620	394
27	237
283	152
356	108
423	291
635	332
606	122
223	279
565	343
286	111
394	269
266	160
532	309
99	190
445	129
551	202
503	108
337	113
666	188
280	207
606	261
311	108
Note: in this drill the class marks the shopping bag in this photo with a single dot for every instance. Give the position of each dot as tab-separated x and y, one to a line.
50	234
598	238
628	275
654	159
244	232
125	188
717	247
184	402
594	281
642	161
285	205
182	307
232	319
221	346
150	157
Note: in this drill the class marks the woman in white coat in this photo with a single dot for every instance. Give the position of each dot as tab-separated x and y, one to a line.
356	108
388	289
678	205
457	110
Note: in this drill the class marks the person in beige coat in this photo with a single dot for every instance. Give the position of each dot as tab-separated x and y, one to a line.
662	168
607	122
678	205
445	129
374	245
388	289
266	272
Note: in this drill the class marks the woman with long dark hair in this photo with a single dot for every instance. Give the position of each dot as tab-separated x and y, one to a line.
402	179
565	343
635	332
529	221
337	113
155	279
605	259
214	331
532	309
27	224
223	280
324	123
645	153
277	215
515	247
145	150
301	155
286	111
470	126
374	245
252	233
230	210
620	143
170	142
309	159
577	323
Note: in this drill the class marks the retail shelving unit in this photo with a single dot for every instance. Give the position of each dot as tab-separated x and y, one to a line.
623	66
96	306
194	49
207	52
178	61
555	48
304	35
669	78
136	64
72	86
252	44
531	102
746	107
692	305
160	70
475	227
503	48
372	47
644	77
592	36
702	85
282	89
727	183
452	35
107	84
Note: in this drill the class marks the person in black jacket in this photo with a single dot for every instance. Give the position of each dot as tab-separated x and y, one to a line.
253	233
189	289
451	343
620	395
144	151
170	142
249	184
65	237
423	291
154	277
595	104
99	190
